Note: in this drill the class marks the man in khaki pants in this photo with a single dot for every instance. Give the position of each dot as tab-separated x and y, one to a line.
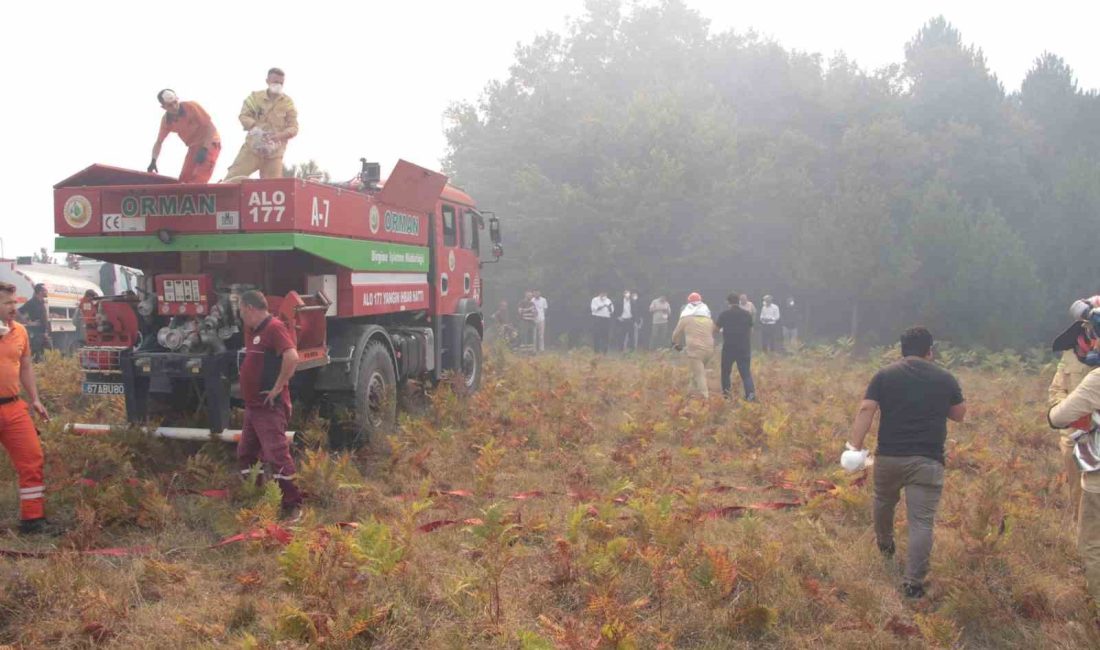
271	120
916	398
695	331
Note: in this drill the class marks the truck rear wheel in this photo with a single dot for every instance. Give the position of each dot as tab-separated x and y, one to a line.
375	398
471	359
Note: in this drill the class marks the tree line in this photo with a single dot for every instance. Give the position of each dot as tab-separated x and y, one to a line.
640	149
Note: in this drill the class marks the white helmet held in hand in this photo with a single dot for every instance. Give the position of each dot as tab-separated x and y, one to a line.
853	459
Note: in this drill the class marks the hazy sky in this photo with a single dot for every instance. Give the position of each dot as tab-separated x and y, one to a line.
373	78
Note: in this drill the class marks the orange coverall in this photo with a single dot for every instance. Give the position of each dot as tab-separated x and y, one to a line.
197	131
18	434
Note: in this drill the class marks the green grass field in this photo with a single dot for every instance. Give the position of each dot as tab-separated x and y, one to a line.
575	502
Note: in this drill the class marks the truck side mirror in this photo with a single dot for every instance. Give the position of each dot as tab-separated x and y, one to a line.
494	231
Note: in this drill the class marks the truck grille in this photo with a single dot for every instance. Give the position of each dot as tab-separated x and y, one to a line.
101	360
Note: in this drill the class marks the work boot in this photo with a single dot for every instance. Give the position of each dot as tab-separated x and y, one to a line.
887	550
290	514
39	526
913	590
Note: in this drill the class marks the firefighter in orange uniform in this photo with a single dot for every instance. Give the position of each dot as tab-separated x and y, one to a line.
197	131
18	434
271	119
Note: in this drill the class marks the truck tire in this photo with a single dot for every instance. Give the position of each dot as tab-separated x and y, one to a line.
375	398
471	360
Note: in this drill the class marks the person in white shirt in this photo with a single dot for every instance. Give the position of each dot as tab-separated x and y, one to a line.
541	305
658	335
769	326
602	309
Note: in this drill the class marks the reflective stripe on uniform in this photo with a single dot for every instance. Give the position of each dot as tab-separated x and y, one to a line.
32	492
285	477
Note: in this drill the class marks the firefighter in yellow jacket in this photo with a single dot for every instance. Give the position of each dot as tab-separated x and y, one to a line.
271	120
1069	373
695	332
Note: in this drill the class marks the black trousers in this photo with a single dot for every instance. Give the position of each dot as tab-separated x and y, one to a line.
744	368
601	332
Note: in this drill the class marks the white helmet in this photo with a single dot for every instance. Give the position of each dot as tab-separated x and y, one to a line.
854	460
1079	310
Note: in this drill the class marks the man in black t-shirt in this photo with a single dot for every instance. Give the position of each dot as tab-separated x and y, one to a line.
35	315
736	325
916	398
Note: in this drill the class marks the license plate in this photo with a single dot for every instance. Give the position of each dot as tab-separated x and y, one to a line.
103	388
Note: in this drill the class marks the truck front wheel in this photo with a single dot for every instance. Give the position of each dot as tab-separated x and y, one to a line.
375	398
471	359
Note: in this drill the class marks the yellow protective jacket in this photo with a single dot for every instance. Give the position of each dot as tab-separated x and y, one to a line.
696	335
1082	401
1067	375
275	114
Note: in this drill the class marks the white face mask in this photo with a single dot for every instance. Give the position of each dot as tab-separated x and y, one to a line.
275	89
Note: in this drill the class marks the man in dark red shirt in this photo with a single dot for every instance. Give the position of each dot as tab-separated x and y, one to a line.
269	362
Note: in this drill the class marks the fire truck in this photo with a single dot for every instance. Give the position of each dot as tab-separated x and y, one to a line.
380	282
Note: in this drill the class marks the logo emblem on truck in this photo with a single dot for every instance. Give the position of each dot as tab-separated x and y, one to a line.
77	211
375	220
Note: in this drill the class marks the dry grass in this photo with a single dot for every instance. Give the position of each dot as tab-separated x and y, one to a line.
591	503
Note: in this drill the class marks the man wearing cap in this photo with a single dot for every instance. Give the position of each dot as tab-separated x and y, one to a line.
18	434
695	332
196	129
35	315
269	362
270	118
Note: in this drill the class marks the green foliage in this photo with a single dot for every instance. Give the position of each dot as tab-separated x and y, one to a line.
376	543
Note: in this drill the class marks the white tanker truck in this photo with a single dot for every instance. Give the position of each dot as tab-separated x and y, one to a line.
66	286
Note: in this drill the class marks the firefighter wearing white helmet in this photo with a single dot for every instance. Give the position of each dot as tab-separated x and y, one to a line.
1073	345
1076	413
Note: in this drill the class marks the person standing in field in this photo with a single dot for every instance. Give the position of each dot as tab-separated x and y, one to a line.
1073	344
270	360
916	398
659	310
735	324
527	317
18	435
792	316
626	330
541	305
769	325
35	315
695	333
602	308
